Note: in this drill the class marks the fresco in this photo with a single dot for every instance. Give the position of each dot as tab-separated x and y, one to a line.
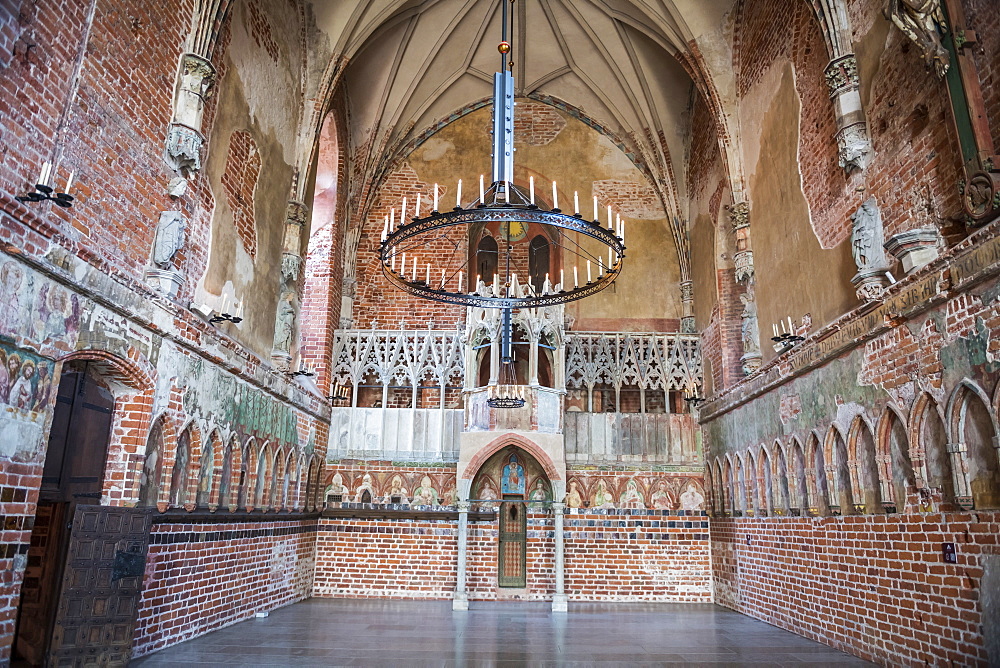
593	489
35	307
26	390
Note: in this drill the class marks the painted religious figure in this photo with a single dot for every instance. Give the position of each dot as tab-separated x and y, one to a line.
631	497
425	495
513	477
396	491
692	499
539	493
663	498
58	313
573	498
602	497
11	279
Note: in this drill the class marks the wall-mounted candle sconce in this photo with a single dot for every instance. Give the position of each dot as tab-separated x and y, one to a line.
43	191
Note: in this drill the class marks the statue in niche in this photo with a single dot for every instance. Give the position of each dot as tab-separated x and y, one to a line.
169	237
512	481
919	20
692	499
749	328
284	323
867	237
573	498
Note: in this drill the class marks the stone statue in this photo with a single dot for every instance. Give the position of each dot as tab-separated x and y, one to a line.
169	236
867	238
749	327
284	323
919	20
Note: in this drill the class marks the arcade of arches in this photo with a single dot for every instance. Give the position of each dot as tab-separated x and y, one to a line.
213	403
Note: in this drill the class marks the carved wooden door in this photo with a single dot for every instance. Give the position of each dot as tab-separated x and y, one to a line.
513	544
102	583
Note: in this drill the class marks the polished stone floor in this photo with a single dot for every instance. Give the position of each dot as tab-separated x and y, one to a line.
345	632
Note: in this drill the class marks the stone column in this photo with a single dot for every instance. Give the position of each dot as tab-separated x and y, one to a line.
853	144
195	78
559	599
739	215
460	601
289	298
687	307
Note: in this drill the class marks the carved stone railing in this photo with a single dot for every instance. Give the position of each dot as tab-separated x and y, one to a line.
398	358
623	360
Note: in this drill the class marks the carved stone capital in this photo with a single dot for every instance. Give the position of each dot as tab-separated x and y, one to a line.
296	213
751	363
164	280
853	147
183	149
739	214
914	248
842	74
870	285
199	70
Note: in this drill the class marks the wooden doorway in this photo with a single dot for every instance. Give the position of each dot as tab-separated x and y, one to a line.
512	557
83	557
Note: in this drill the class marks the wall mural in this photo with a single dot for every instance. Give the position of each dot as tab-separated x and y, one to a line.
26	390
31	305
638	491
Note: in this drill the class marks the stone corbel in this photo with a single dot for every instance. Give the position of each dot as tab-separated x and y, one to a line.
739	215
854	145
195	79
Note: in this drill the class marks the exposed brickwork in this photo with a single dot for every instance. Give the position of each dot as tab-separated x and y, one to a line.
536	124
260	28
630	199
873	586
240	183
219	574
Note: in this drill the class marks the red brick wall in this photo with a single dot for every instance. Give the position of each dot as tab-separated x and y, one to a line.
215	575
875	586
613	555
240	181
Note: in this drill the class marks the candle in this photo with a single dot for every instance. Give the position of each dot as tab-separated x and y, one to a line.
775	328
791	330
41	174
69	182
600	266
546	280
482	191
392	218
458	195
394	262
576	277
610	219
531	188
595	207
225	304
428	279
576	202
414	269
435	197
621	232
562	280
496	284
402	213
513	280
402	266
239	311
589	278
442	279
506	191
555	196
460	281
417	214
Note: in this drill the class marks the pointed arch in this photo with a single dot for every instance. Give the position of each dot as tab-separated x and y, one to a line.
799	501
818	481
230	471
248	476
929	448
153	480
180	468
862	466
209	469
838	475
973	430
780	499
765	507
730	488
896	476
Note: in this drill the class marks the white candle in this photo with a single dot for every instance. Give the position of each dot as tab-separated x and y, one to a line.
458	195
555	196
41	173
435	197
496	284
460	281
531	188
392	218
225	304
69	183
774	327
402	213
428	279
394	262
513	280
791	330
402	266
595	207
442	279
482	191
589	278
46	172
414	269
576	277
417	214
562	280
506	191
239	311
546	280
610	219
600	266
576	202
621	232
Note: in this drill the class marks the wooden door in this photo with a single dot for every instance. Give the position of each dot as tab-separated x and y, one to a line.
513	544
101	586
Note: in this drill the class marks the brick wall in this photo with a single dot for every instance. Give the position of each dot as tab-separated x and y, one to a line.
873	586
611	555
202	577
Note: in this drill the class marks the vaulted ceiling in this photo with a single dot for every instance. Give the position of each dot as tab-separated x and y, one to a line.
618	62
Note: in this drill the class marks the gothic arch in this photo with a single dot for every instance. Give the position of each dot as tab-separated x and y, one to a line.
929	448
896	475
500	442
862	467
973	430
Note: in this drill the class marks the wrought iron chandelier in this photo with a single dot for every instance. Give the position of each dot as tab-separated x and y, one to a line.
596	247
